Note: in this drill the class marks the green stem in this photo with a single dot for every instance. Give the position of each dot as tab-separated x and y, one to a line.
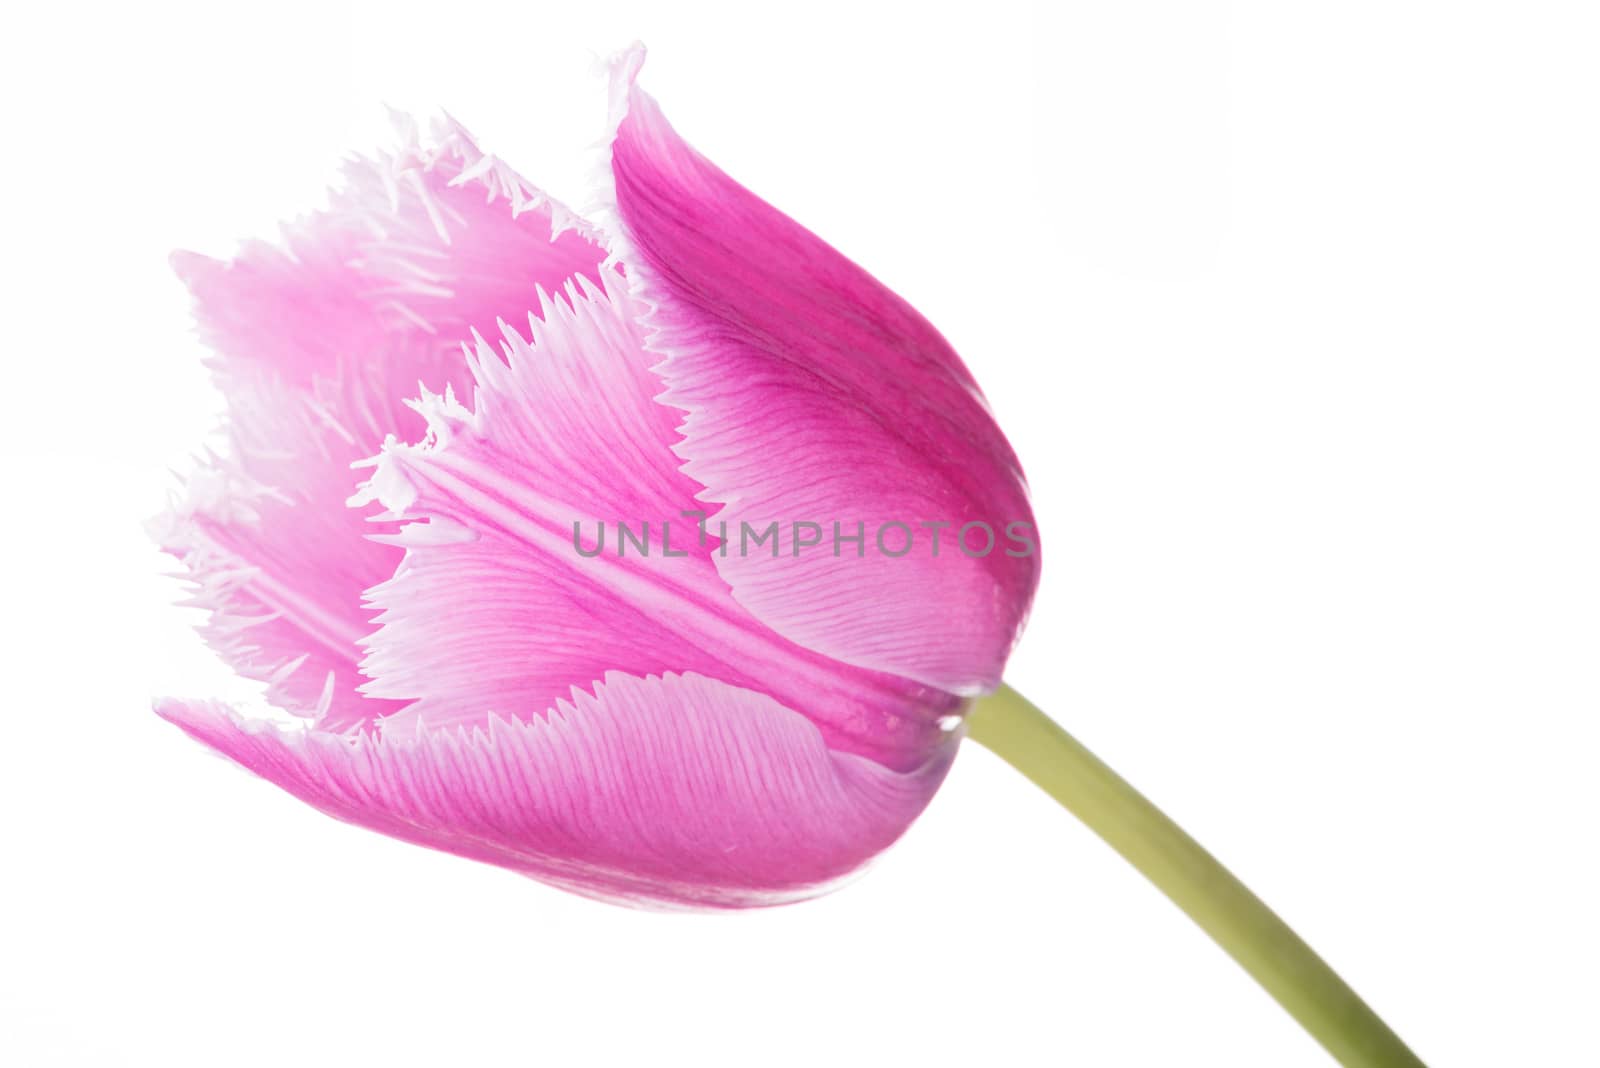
1028	740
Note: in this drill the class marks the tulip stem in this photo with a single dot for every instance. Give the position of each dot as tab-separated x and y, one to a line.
1028	740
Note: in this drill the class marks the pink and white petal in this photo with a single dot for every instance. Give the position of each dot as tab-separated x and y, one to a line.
494	609
425	243
675	790
815	394
480	627
277	559
491	612
318	344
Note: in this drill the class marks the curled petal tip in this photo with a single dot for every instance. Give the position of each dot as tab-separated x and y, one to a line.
625	62
190	267
622	69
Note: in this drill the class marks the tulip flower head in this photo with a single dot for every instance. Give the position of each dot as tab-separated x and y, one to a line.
664	556
671	581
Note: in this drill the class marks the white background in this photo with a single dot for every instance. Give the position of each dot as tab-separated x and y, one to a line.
1291	312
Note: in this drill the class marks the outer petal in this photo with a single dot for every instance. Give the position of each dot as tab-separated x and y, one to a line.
495	611
318	342
676	790
815	394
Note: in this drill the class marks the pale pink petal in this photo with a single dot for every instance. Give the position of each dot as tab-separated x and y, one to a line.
814	394
276	559
318	342
425	243
677	790
495	611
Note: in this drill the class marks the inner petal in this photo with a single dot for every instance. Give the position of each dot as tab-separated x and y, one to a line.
318	341
497	611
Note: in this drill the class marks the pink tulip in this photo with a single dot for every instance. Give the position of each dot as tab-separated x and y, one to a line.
681	720
675	717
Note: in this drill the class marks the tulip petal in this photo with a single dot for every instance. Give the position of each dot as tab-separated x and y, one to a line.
419	245
488	615
318	343
275	558
814	394
675	790
495	610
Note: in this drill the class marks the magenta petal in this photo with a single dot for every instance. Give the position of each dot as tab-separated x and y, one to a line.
815	394
676	790
318	343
